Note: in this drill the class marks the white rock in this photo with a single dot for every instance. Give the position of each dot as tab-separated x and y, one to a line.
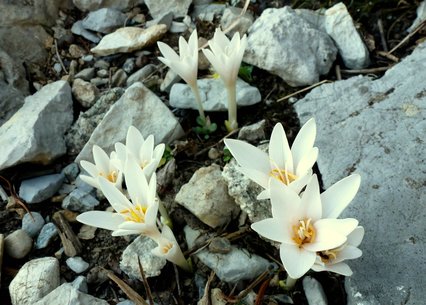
32	223
170	79
90	5
141	108
77	264
38	189
206	196
141	75
207	12
84	92
18	244
67	294
178	27
213	95
253	132
231	15
313	291
35	133
104	20
421	16
80	283
283	43
157	8
141	247
78	29
34	280
129	39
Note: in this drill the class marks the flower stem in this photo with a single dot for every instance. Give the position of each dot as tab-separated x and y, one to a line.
232	106
196	93
290	282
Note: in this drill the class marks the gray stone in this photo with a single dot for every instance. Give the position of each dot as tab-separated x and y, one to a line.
85	187
138	107
78	29
277	42
11	99
35	132
71	172
129	65
178	27
207	12
169	80
141	75
18	244
67	294
206	196
40	188
232	267
34	280
129	39
79	201
157	8
86	123
376	128
28	12
141	247
99	82
76	51
102	64
47	234
126	302
77	264
90	5
213	95
231	15
313	291
84	92
119	78
253	132
166	19
102	73
32	223
58	68
104	20
80	283
86	74
421	16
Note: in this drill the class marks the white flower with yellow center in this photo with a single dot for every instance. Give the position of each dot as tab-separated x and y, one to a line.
292	167
135	216
225	56
104	166
298	225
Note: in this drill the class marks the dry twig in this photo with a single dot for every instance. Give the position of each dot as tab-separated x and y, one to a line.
145	283
367	71
304	89
59	57
406	38
131	294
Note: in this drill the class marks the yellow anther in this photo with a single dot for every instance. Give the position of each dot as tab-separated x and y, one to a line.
282	175
304	232
136	214
111	176
166	248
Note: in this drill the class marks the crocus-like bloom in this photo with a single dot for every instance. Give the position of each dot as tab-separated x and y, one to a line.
185	65
292	167
169	248
138	216
332	260
143	151
104	167
225	57
298	225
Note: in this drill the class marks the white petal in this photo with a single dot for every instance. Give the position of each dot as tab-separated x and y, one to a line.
117	200
356	236
340	268
279	150
264	195
260	178
168	53
158	152
121	151
339	195
147	149
193	43
151	214
348	252
101	219
134	141
285	202
273	229
298	184
91	181
307	162
121	232
137	185
101	159
297	261
311	200
90	168
304	140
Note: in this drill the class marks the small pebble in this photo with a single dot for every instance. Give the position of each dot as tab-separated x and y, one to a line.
47	234
129	65
71	171
57	67
87	58
220	245
103	73
87	232
80	201
18	244
77	264
213	153
86	74
102	64
119	78
80	283
32	223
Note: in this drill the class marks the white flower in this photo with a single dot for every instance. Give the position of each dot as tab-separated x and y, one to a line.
292	167
169	248
298	225
332	260
138	216
146	155
104	167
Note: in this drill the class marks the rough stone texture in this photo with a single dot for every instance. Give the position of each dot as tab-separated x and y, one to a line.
77	264
129	39
377	129
157	8
141	75
78	29
32	223
421	16
24	12
47	234
230	15
67	294
35	132
213	95
138	107
80	283
232	267
34	280
207	12
206	196
84	92
80	201
244	191
40	188
18	244
104	20
141	247
277	42
11	99
86	74
313	291
253	132
90	5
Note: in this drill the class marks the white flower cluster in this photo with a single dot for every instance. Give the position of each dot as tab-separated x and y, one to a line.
136	162
304	220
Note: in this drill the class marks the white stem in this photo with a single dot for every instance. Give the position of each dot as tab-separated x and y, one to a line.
163	212
196	92
232	105
290	282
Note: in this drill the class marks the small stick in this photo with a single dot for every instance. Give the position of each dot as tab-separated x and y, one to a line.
246	291
145	283
177	280
220	141
421	25
338	74
367	71
131	294
59	57
303	90
382	35
388	56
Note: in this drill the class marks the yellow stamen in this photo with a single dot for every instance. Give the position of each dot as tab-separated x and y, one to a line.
282	175
303	232
111	177
328	255
166	248
136	214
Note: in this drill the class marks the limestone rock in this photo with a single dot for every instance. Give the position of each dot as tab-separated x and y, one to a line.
213	95
90	5
78	29
84	92
47	234
277	42
313	291
34	280
40	188
376	128
157	8
138	107
18	244
129	39
206	196
67	294
32	223
77	264
34	12
421	16
35	133
230	15
253	132
104	20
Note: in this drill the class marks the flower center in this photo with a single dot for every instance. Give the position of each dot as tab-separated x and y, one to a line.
282	175
136	214
111	177
327	255
166	247
303	232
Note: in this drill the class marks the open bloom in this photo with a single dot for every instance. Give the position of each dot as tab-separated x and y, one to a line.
225	57
135	216
298	225
332	260
143	151
292	167
104	166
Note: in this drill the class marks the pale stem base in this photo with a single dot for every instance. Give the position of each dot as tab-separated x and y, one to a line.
196	93
232	106
290	282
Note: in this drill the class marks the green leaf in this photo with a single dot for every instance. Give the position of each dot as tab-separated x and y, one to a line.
245	72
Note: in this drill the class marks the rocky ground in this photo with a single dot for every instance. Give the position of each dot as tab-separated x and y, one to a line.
80	73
